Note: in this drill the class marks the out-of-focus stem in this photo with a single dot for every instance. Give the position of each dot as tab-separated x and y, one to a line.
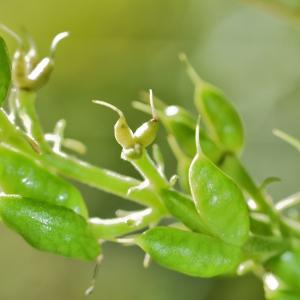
25	105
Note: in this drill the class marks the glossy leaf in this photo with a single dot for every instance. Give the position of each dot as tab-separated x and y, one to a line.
219	201
19	174
49	227
190	253
220	117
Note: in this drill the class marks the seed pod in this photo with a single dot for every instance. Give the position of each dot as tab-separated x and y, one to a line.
181	124
219	115
122	131
30	74
19	174
219	201
50	228
40	75
5	74
146	133
190	253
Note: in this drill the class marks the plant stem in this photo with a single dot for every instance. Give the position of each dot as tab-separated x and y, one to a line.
111	228
235	168
102	179
25	104
74	168
146	167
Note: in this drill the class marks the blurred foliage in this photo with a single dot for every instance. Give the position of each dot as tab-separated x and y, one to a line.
289	9
118	48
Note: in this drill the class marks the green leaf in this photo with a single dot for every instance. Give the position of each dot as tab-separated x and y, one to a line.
5	73
219	201
183	208
287	268
190	253
262	248
22	175
49	227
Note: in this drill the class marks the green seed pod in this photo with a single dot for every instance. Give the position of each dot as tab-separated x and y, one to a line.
181	124
219	201
19	174
190	253
5	73
184	210
49	227
40	75
219	115
122	131
30	74
146	133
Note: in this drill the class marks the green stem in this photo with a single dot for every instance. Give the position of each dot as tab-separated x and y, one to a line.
116	227
76	169
25	103
102	179
146	167
234	168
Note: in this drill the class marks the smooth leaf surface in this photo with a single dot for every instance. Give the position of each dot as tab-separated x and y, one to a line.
190	253
220	117
219	201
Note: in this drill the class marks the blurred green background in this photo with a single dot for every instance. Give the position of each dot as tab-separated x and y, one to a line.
118	48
